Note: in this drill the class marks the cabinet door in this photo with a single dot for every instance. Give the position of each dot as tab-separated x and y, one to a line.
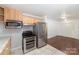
9	14
29	20
12	14
7	49
35	20
18	15
1	14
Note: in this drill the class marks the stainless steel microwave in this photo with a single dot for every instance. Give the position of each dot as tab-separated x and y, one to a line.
13	24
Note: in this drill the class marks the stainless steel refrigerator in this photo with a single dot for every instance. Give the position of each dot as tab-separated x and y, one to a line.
40	29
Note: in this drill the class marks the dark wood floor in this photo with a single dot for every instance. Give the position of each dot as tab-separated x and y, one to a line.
67	45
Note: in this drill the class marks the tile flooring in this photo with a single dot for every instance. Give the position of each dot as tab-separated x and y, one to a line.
46	50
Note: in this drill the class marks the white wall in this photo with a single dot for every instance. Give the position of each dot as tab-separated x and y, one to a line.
52	27
70	29
64	29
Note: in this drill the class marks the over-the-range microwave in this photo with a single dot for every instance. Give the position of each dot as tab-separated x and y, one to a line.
12	24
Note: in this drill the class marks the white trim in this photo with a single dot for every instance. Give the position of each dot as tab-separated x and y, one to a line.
26	14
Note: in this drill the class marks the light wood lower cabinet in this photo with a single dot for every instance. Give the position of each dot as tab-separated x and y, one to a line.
7	49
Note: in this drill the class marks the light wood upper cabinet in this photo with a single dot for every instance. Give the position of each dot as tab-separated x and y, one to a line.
1	14
12	14
29	20
18	15
9	14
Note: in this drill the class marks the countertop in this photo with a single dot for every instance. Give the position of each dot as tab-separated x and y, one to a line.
3	42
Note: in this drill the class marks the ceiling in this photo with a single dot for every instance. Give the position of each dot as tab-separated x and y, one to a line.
52	11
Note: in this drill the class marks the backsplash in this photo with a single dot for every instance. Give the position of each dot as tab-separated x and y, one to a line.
15	34
4	30
27	27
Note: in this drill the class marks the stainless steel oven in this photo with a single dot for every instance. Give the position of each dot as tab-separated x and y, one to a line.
28	41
